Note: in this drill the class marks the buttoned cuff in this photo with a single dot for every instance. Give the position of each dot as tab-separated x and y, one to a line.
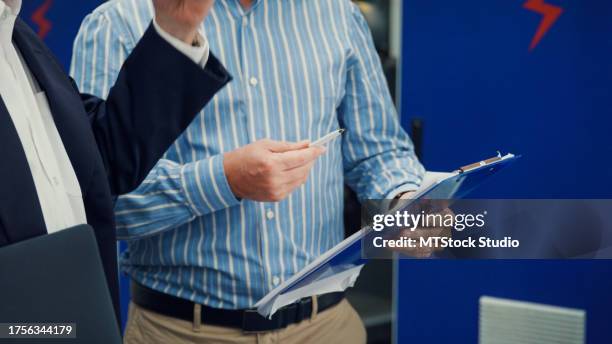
198	54
206	186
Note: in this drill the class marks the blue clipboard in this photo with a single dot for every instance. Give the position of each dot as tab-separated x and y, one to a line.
347	254
467	178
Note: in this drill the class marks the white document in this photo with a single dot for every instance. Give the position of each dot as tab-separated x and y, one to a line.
334	283
275	299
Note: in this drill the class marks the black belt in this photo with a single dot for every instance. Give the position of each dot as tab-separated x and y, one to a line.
246	319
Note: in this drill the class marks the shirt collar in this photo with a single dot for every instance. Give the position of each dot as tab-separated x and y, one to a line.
9	9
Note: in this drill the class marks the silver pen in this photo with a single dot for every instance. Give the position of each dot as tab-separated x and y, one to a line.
327	138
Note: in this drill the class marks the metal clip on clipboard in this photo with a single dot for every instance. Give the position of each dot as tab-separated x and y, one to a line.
480	163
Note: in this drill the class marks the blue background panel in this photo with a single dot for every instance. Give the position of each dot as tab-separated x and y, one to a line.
468	73
439	299
64	18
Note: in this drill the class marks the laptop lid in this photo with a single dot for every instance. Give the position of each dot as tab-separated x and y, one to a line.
59	279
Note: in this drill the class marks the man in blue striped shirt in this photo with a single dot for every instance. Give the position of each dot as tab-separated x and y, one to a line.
199	229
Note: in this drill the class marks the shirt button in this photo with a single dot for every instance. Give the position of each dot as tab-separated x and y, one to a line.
275	280
245	21
253	81
55	181
270	214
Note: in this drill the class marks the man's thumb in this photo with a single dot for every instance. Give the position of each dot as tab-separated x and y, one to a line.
283	146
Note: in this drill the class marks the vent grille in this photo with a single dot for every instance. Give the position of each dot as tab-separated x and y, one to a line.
505	321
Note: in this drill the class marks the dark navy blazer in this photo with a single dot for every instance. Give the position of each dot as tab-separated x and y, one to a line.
112	144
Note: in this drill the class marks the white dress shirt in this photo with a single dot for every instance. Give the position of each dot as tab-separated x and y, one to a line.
57	187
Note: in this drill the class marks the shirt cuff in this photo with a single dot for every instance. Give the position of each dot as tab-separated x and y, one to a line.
198	54
207	187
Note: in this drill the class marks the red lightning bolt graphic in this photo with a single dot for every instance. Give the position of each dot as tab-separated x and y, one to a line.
550	14
38	17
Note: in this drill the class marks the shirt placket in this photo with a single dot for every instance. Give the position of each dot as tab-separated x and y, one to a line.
252	84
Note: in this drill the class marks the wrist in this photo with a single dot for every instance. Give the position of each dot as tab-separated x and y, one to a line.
230	168
402	196
185	33
405	195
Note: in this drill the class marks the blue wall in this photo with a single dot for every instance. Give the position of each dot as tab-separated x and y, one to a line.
65	18
468	72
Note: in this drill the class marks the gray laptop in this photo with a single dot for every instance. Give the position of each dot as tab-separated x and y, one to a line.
57	280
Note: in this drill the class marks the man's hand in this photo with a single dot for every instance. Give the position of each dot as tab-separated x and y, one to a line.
268	171
181	18
425	232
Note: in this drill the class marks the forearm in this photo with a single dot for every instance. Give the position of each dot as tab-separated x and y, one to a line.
379	156
385	174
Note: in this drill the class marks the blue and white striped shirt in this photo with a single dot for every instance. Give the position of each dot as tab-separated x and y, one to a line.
301	68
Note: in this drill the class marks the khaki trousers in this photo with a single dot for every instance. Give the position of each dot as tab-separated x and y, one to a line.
339	324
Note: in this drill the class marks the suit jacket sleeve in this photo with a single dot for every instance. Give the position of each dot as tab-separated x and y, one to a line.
157	94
